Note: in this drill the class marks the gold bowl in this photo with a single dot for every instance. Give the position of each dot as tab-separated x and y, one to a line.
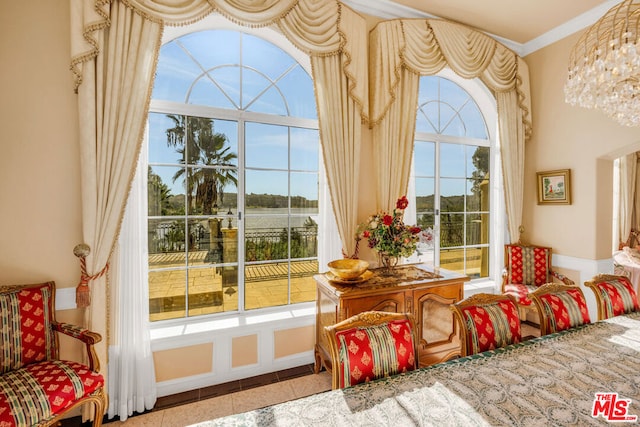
348	269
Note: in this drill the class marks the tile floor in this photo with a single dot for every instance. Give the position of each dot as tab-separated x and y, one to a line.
192	407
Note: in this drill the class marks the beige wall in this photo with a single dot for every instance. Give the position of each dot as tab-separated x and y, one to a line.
39	171
566	137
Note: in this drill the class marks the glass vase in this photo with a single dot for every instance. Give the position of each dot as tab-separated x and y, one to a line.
387	263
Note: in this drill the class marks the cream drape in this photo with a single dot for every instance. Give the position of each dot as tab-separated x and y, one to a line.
401	51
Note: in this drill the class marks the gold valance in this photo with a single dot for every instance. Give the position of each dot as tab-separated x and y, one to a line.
425	46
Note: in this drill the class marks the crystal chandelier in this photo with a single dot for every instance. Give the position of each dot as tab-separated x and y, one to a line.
604	66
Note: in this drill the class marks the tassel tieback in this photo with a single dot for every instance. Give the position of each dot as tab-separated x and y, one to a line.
83	295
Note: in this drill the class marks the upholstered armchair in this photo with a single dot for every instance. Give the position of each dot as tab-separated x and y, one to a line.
372	345
36	387
614	295
560	307
487	322
527	267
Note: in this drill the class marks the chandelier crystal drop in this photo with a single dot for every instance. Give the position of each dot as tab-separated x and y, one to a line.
604	65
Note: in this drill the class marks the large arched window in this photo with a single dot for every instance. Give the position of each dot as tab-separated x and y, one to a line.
233	172
452	179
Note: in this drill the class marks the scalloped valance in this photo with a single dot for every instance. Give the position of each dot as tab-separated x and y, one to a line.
317	27
400	52
425	46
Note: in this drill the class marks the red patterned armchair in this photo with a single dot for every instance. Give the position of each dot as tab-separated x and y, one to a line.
487	322
560	307
36	387
526	269
614	295
372	345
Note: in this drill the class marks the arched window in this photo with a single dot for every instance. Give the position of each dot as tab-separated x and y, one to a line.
452	172
233	173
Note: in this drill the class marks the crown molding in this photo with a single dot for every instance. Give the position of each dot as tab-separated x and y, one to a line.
574	25
387	9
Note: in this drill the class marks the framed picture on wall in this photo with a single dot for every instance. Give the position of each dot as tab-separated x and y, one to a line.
554	187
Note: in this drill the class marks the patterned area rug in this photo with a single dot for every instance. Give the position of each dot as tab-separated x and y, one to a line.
548	381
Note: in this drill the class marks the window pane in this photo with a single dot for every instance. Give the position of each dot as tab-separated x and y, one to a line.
266	237
163	146
451	230
451	123
452	160
297	88
165	196
212	290
478	195
305	147
167	291
266	191
207	89
206	188
425	191
424	155
427	117
267	146
452	259
266	285
304	193
166	236
473	120
175	74
477	229
452	192
261	55
258	94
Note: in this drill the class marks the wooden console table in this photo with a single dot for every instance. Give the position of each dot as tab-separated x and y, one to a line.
415	288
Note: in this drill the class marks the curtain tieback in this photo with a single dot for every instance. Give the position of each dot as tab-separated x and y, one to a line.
83	296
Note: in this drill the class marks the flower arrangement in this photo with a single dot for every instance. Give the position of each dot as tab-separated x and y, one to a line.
390	236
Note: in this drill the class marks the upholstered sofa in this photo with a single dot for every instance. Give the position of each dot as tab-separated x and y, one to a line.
36	387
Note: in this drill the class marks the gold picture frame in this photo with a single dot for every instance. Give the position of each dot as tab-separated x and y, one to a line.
554	187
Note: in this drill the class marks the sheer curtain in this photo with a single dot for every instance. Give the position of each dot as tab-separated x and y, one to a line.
132	382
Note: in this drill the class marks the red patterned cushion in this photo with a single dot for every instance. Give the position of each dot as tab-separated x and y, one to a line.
491	326
375	352
564	310
520	292
39	391
618	297
26	335
528	265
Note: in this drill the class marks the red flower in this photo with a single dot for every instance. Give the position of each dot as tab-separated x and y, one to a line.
366	234
415	230
402	203
387	220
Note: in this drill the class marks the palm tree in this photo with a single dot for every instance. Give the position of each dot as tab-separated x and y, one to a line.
200	145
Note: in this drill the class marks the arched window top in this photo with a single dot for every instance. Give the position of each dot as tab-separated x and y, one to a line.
445	108
233	70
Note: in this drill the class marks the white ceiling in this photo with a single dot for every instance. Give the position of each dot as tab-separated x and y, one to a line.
523	25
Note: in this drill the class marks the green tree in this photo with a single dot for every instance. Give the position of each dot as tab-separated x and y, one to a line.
214	168
159	194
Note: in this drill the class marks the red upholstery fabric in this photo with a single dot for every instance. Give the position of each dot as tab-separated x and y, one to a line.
26	335
528	267
491	326
564	310
375	352
520	292
41	390
618	297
